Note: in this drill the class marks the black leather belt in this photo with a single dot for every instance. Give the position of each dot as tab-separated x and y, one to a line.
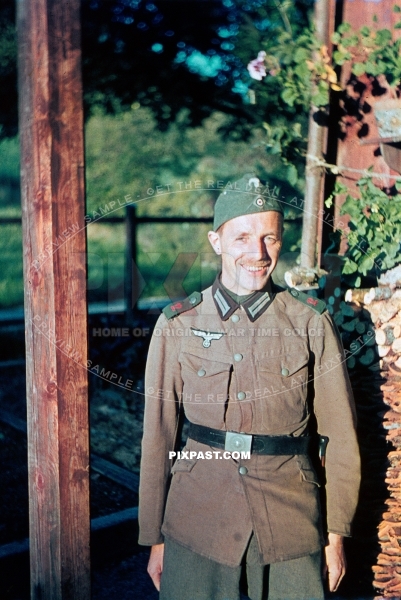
257	444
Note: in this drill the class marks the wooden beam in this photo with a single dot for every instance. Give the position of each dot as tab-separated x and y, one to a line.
317	141
54	245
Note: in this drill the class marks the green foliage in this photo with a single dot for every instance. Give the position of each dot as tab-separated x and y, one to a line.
303	70
374	231
127	154
11	281
298	75
372	51
9	158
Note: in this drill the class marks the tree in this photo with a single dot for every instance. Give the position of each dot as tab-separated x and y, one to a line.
169	55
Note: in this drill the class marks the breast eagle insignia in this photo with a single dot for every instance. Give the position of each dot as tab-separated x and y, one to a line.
207	336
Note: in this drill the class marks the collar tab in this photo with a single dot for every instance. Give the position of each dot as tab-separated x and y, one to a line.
254	306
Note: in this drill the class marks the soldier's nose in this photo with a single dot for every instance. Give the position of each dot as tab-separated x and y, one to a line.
258	251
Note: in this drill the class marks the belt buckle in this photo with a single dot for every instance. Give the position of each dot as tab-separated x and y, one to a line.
238	442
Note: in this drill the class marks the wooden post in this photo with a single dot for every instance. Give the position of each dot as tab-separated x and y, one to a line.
52	182
317	139
131	278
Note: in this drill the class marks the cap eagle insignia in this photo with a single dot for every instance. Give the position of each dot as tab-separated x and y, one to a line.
207	336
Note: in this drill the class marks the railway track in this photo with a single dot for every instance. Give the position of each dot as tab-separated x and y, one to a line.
98	464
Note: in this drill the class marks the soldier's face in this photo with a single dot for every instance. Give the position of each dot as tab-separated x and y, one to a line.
249	246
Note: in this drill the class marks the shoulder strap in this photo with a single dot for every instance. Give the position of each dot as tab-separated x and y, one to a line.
176	308
314	303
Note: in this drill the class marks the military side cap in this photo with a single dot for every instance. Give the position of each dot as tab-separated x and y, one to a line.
318	305
176	308
246	196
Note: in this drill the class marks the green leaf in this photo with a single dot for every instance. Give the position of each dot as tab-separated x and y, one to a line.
379	239
336	37
303	72
397	25
353	39
321	98
349	267
274	148
340	188
301	54
344	27
359	69
397	8
383	36
358	282
365	30
368	42
393	249
372	68
292	174
340	57
361	229
296	128
289	96
366	264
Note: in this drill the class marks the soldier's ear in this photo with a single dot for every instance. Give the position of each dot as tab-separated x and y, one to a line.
214	239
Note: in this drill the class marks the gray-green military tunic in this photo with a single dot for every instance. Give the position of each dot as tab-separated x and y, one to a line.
277	360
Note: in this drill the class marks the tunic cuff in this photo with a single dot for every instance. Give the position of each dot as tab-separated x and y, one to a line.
344	530
150	538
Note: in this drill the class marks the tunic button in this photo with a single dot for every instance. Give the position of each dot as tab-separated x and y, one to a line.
192	300
238	357
235	318
243	470
241	395
201	372
285	372
294	292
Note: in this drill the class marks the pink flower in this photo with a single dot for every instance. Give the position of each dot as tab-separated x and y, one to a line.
257	68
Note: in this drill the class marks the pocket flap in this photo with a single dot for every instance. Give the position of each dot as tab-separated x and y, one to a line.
285	365
308	474
203	367
183	465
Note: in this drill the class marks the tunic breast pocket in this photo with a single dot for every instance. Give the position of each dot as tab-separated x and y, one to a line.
283	384
205	388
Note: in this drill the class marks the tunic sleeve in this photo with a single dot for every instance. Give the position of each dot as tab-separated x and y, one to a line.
336	418
163	389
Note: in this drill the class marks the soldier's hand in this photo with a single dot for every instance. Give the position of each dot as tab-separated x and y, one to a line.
336	563
155	564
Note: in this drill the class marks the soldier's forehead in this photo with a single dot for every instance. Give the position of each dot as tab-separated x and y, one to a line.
267	222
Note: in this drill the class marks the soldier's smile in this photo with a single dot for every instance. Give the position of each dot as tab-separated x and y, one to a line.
260	269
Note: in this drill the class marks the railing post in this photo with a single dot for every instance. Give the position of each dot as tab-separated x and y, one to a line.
131	277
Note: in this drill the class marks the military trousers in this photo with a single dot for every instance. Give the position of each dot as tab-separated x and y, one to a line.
189	576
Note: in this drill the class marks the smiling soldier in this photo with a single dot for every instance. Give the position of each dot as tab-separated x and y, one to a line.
243	494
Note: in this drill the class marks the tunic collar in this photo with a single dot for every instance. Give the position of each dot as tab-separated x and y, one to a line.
254	306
